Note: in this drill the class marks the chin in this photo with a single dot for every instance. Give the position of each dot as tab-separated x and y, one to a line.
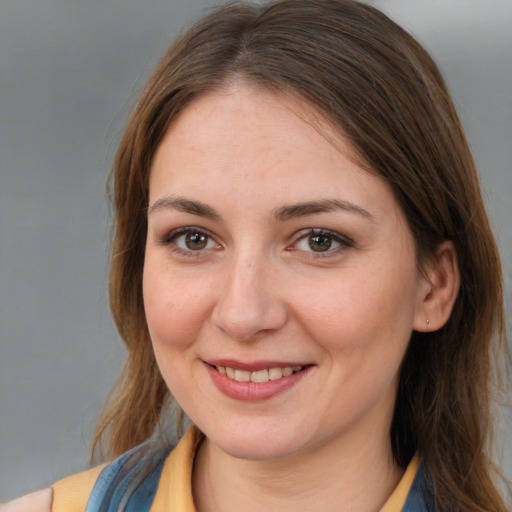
257	451
266	443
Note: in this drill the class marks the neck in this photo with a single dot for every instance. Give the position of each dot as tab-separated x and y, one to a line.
335	477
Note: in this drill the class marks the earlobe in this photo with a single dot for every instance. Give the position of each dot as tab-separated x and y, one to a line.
438	289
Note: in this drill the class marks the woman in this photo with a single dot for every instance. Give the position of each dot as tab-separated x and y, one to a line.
302	259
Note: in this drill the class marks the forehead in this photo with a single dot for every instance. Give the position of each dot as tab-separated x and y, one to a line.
234	113
260	149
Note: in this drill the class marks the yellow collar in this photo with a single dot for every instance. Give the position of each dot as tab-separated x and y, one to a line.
175	489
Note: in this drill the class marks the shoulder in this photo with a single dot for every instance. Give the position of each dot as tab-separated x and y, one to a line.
69	494
39	501
130	481
72	493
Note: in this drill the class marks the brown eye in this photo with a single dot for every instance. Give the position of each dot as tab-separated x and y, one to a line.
320	243
323	242
190	240
196	241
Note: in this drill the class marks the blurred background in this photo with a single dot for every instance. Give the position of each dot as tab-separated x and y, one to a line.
70	72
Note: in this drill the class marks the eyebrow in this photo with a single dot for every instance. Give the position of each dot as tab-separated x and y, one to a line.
283	213
304	209
185	205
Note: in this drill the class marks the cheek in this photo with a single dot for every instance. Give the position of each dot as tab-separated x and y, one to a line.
174	312
366	313
175	315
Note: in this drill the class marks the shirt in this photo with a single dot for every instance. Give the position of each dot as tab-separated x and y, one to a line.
167	485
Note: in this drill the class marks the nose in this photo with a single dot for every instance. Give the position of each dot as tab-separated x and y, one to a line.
249	303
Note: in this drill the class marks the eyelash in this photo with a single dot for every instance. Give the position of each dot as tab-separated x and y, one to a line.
169	240
343	241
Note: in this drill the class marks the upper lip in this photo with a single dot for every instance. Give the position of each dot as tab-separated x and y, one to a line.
253	366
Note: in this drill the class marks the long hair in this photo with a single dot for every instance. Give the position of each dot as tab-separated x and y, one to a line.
379	87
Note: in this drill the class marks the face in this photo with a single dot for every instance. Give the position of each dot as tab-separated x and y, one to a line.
280	280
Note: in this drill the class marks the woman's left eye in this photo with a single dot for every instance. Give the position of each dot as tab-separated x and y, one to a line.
320	241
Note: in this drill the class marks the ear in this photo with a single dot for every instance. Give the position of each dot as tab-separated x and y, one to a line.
437	290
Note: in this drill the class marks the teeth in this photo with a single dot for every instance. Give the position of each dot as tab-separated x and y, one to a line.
275	373
259	375
242	376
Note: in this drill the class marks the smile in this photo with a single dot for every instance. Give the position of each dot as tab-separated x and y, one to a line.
264	375
256	380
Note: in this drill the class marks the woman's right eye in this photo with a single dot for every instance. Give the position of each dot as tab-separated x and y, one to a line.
190	240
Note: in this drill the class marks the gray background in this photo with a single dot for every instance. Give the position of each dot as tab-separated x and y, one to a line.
70	71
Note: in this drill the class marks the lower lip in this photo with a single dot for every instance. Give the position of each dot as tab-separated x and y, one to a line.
254	391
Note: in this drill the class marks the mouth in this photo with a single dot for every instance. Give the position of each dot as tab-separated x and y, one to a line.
255	381
258	376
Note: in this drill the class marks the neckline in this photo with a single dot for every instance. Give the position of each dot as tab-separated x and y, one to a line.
175	488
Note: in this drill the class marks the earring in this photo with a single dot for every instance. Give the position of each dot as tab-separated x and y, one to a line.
428	321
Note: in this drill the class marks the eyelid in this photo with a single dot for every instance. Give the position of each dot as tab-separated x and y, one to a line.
344	241
168	238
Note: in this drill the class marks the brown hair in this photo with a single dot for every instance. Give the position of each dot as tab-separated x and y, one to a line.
375	83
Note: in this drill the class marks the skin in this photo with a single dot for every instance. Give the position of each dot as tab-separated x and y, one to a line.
258	292
39	501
